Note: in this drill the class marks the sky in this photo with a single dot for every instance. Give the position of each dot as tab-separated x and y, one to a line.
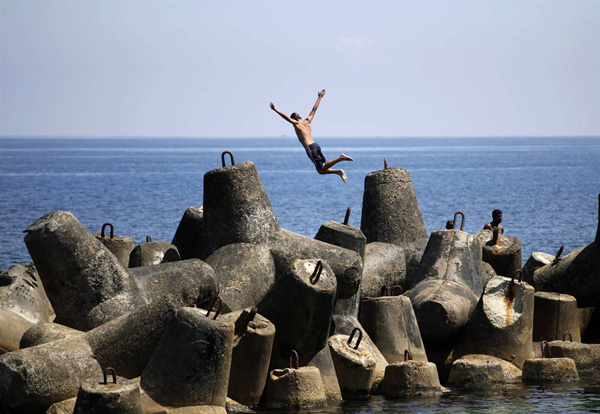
210	68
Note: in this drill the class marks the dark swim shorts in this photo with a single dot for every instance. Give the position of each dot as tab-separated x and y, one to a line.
316	156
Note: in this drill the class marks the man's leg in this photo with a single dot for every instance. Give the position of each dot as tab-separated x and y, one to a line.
342	157
341	173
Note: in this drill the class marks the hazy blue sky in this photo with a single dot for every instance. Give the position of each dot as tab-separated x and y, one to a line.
196	68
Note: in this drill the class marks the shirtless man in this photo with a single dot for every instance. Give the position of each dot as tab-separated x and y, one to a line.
313	150
496	220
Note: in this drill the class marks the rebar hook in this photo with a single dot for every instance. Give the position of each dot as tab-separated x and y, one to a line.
360	336
462	220
223	158
112	230
212	304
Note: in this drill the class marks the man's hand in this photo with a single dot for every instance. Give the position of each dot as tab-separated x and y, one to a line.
322	93
272	106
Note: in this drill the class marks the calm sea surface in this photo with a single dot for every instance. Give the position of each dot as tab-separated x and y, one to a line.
547	188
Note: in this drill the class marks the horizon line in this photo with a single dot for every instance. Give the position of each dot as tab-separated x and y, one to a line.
292	136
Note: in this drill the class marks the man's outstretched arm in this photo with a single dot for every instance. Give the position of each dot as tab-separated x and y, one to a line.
281	114
314	110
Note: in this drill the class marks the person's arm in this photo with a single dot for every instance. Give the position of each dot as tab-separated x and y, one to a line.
314	110
488	227
281	114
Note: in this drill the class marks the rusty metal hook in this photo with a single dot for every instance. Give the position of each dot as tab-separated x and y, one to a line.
212	304
557	257
112	230
223	158
544	344
570	336
408	355
495	235
314	278
462	220
385	165
294	360
112	372
520	272
347	216
148	239
360	336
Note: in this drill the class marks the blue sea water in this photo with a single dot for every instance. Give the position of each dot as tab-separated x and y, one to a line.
547	187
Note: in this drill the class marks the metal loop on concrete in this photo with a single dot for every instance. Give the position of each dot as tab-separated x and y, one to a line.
462	220
148	239
211	306
223	158
520	273
545	346
112	372
347	216
294	360
112	230
314	278
360	336
495	235
557	257
570	336
250	317
407	355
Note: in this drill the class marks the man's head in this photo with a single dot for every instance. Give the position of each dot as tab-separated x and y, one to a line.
497	216
449	224
295	117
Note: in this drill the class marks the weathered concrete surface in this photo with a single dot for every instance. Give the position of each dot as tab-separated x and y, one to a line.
391	322
236	207
487	273
290	388
385	265
511	373
22	292
191	363
122	397
62	407
535	261
443	360
411	378
153	253
555	315
252	347
476	374
391	214
580	353
547	370
190	237
346	264
323	361
13	327
300	310
42	333
354	367
120	246
447	286
504	256
244	273
344	325
502	324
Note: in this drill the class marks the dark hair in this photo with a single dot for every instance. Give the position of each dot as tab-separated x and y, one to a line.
449	224
295	116
496	212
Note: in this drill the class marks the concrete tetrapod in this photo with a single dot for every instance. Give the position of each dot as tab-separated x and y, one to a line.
390	321
580	353
576	274
190	237
502	324
300	305
323	361
354	365
252	347
535	261
549	370
385	265
34	378
555	315
152	253
120	246
244	273
295	387
476	374
42	333
500	251
344	325
511	373
348	237
190	366
411	378
116	397
87	284
447	286
391	214
23	303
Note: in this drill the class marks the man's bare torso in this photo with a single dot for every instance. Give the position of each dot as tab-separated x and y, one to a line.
304	132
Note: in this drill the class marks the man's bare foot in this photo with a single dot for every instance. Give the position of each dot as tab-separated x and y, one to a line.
346	158
343	175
